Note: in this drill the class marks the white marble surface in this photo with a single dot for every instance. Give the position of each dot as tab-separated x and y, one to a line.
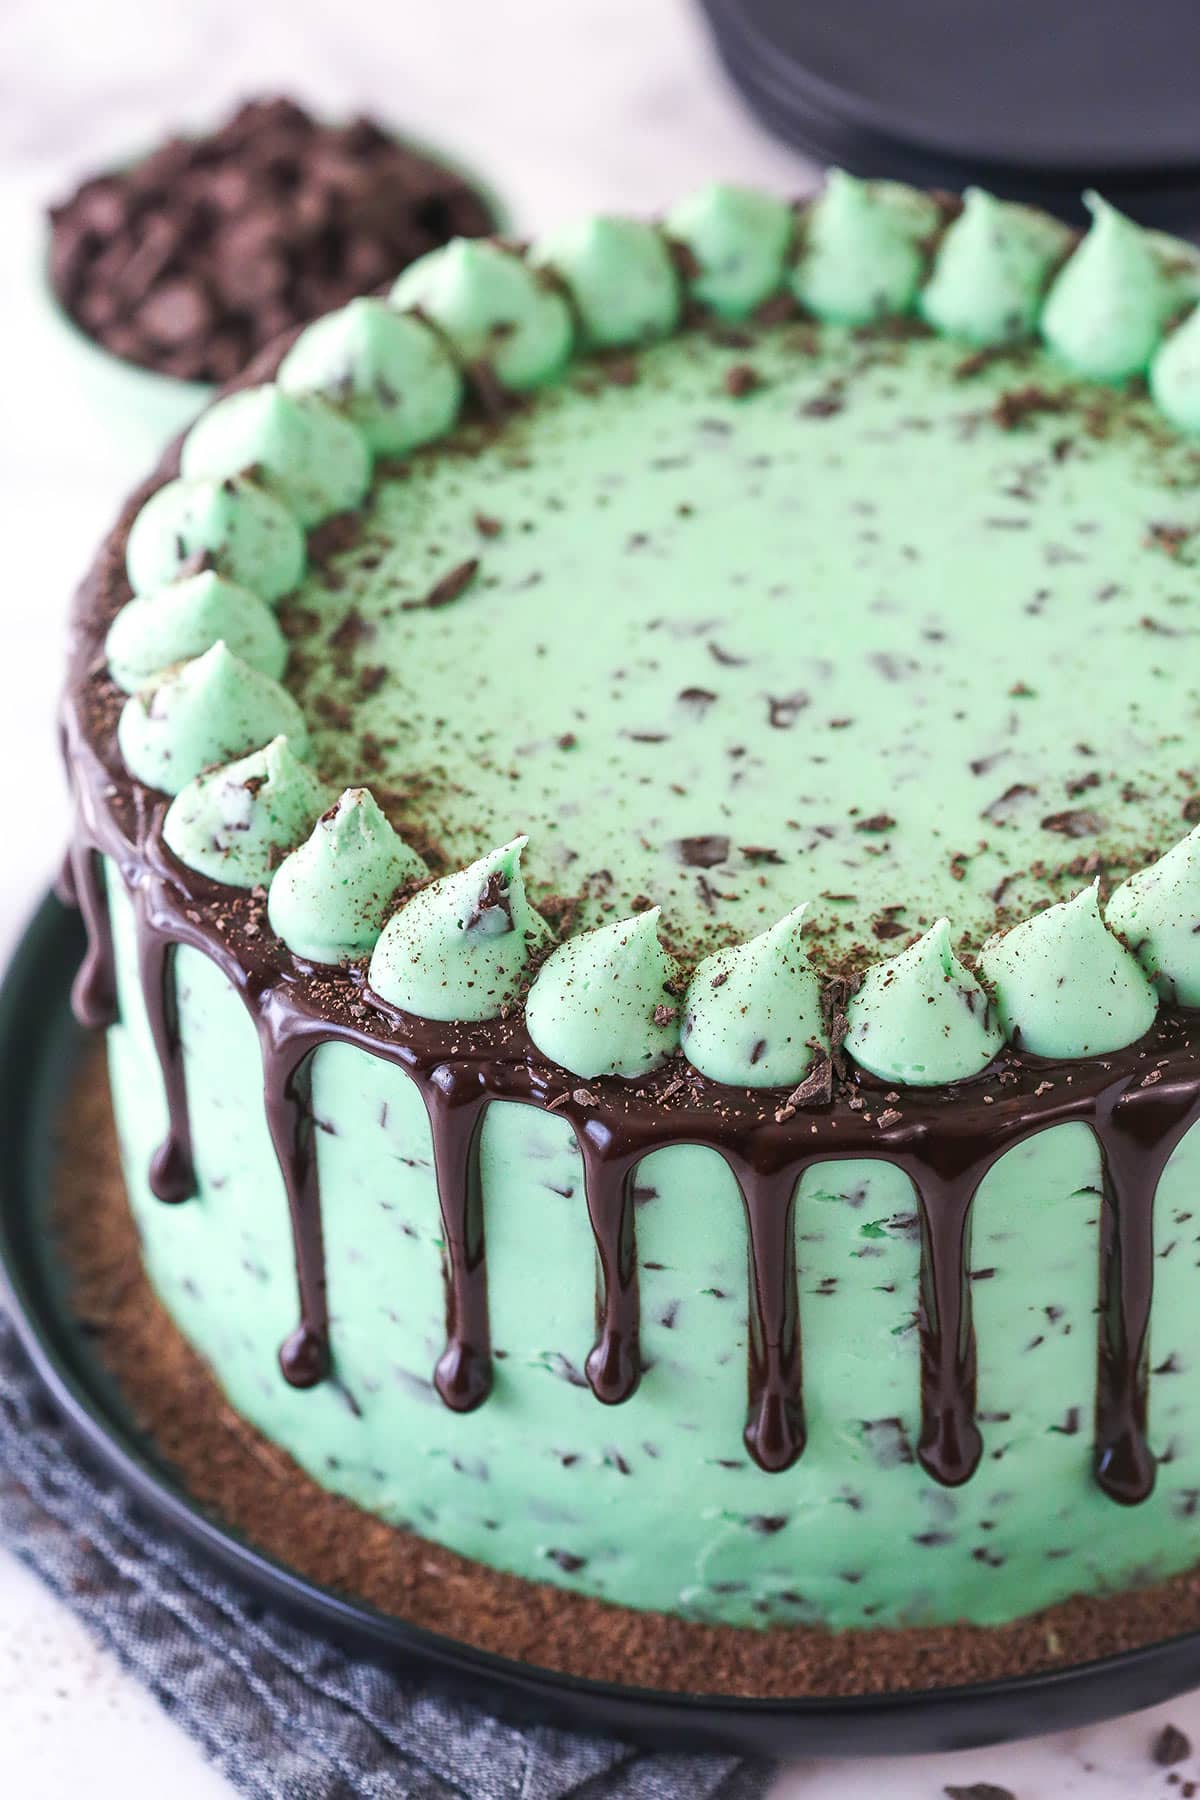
568	104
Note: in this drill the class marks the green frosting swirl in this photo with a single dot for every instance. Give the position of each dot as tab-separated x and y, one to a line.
385	370
233	823
1175	375
601	1003
1106	311
753	1011
296	445
183	620
1157	912
991	270
460	949
620	276
493	308
1064	985
921	1017
739	240
203	712
330	897
864	249
250	536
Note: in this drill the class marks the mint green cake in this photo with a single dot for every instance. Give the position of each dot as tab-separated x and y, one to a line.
638	820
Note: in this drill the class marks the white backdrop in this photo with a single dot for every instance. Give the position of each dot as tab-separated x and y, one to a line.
568	105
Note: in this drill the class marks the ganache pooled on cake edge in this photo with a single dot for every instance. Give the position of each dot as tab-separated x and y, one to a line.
1121	1062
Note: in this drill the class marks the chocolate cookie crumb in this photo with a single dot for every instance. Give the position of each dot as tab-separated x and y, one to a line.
1171	1746
742	379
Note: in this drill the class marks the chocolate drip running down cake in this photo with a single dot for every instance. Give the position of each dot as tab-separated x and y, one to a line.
635	814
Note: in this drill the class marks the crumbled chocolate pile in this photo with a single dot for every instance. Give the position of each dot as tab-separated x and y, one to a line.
193	259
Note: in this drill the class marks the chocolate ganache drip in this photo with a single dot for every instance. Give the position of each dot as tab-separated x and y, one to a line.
1138	1102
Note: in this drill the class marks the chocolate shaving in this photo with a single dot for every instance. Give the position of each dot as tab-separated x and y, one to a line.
451	586
1077	823
703	852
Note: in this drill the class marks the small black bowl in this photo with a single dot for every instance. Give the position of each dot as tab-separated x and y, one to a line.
39	1048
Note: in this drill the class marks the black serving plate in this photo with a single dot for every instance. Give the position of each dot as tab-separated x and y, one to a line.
1035	99
39	1047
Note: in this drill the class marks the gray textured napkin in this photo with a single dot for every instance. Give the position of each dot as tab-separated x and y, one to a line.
280	1712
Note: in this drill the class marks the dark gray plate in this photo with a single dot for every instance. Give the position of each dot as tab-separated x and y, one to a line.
39	1046
1035	99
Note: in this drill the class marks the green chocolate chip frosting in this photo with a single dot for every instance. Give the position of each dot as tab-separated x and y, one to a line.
752	1017
1157	914
461	947
1064	984
182	620
492	308
203	712
390	374
605	1003
298	447
235	526
234	823
737	242
921	1017
329	899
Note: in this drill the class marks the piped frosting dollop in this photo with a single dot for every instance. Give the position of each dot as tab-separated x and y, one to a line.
492	307
921	1017
752	1014
389	373
604	1002
620	276
864	249
184	619
460	949
234	823
1157	912
1175	375
296	445
203	712
249	536
1106	311
329	899
1064	985
991	270
737	240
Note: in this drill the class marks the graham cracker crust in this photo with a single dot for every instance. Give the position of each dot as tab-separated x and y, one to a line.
244	1481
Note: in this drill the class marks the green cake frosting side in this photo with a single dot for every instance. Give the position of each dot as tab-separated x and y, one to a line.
655	1503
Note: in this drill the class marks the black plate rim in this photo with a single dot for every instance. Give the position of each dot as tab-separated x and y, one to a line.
764	64
34	1028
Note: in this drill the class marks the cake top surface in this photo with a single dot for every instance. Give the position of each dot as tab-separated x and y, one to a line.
879	635
864	586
